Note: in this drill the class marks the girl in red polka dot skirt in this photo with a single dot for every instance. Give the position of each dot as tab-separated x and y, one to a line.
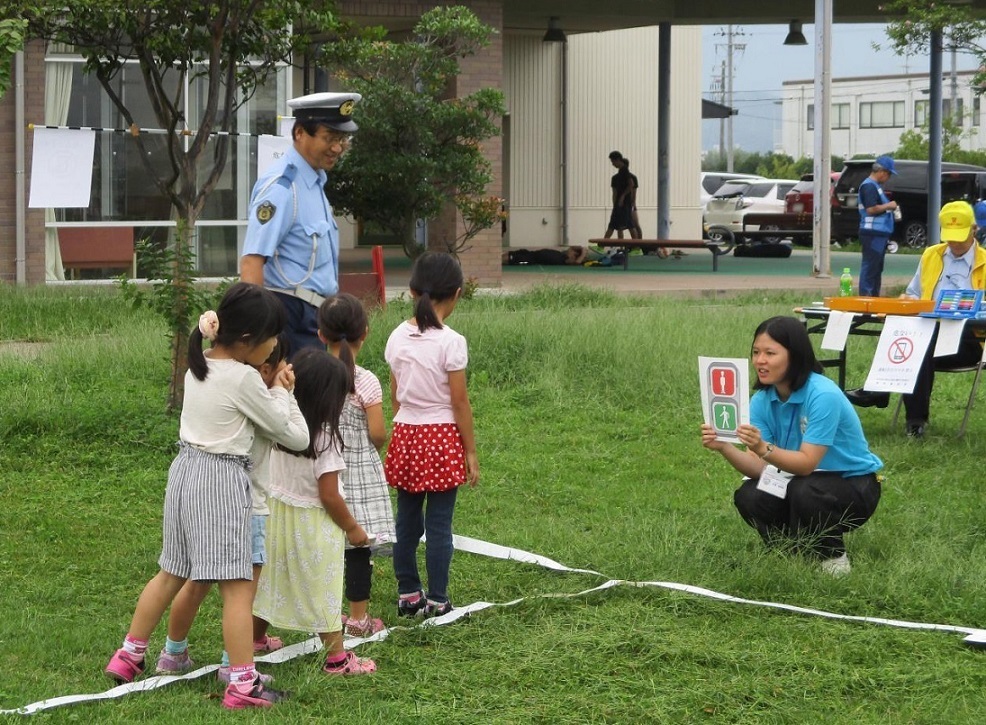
433	448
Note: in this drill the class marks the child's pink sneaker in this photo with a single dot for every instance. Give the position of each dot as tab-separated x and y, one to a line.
259	696
267	644
222	674
362	627
352	665
124	667
169	664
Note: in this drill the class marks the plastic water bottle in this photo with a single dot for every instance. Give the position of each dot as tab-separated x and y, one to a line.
845	283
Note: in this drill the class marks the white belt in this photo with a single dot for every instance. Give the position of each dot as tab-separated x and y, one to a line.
312	298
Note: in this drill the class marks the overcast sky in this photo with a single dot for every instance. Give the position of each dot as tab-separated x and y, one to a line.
765	62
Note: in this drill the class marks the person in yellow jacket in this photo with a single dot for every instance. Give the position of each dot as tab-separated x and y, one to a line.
957	263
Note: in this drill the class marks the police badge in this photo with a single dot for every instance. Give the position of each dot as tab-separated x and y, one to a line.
265	212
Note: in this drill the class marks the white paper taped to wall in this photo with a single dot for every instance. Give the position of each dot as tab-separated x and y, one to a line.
61	168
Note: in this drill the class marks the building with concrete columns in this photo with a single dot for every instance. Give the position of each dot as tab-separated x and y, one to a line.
568	105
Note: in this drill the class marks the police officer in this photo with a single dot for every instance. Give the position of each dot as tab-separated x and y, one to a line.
292	240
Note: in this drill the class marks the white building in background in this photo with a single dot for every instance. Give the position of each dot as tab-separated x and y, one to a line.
869	113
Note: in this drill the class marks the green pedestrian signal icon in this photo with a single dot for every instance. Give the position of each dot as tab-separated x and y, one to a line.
725	417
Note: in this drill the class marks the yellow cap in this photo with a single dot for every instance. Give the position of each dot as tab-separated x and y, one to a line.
956	220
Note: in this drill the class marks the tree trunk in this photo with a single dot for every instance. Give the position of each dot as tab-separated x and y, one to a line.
182	282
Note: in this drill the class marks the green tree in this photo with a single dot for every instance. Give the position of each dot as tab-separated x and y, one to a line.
11	40
913	21
771	165
914	143
172	41
417	148
961	27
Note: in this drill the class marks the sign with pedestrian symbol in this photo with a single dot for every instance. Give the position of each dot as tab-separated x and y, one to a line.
725	387
899	354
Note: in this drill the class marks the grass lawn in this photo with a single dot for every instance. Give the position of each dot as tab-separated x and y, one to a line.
587	413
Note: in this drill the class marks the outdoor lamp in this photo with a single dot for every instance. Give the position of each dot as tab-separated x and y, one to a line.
555	34
794	34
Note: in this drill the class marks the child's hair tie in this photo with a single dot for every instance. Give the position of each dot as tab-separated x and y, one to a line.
342	338
209	325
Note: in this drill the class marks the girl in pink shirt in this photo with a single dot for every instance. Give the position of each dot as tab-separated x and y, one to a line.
433	448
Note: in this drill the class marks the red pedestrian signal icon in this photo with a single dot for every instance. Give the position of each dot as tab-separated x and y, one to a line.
722	380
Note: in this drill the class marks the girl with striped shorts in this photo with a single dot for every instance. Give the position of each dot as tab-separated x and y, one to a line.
174	658
207	505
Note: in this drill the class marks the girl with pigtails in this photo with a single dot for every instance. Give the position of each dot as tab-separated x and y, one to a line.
433	447
207	506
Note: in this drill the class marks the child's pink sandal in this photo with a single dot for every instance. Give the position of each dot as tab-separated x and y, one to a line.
352	665
267	644
363	627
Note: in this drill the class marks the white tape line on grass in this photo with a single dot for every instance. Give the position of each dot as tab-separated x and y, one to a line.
308	646
975	636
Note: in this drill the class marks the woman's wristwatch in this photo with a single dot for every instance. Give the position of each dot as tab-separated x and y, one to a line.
768	451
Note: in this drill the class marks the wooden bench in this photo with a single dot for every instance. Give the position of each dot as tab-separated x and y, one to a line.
97	248
718	247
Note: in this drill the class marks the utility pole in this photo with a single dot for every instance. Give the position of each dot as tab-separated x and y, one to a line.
728	71
719	88
954	89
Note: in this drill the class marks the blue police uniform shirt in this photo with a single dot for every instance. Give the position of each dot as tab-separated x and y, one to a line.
819	413
290	223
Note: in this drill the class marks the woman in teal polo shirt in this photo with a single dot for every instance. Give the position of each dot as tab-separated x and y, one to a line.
809	475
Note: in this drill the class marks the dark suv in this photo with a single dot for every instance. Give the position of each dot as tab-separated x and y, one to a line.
909	188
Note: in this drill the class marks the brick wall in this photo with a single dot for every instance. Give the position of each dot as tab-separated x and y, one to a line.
8	181
34	76
481	261
484	70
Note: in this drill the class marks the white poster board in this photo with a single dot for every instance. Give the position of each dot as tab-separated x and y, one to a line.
725	386
949	337
270	149
837	329
61	168
899	354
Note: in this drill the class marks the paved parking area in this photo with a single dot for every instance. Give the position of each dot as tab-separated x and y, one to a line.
689	276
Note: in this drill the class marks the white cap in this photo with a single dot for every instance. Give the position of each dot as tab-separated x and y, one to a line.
334	110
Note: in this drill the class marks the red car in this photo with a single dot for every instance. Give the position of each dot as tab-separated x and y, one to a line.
801	199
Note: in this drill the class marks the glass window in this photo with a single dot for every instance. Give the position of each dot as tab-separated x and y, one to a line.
946	110
122	189
838	119
920	114
881	114
976	111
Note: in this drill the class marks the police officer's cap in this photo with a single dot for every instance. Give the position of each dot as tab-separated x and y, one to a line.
334	110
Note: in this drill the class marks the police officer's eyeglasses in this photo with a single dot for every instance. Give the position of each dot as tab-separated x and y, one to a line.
339	139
